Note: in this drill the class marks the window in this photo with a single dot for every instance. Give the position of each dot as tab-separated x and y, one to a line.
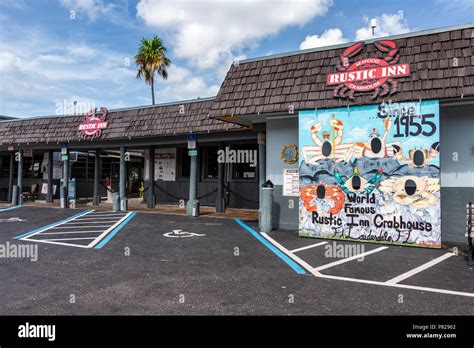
184	163
5	167
79	168
245	165
209	162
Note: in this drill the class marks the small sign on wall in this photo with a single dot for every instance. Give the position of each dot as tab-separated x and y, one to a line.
291	182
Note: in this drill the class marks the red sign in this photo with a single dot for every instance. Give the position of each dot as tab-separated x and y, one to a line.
94	122
370	73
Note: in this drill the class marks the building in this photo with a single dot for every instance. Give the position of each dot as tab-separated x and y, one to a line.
278	93
160	129
369	141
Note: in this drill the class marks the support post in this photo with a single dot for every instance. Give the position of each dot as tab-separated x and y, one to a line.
150	202
220	203
96	198
20	177
267	207
50	195
123	174
262	167
192	187
65	182
10	176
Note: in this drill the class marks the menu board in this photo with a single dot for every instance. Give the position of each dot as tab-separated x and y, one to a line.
165	164
291	182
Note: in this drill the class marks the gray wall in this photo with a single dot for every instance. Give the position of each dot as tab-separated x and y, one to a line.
281	132
457	174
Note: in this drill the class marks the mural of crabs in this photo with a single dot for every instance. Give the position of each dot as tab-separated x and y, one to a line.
357	183
322	196
325	148
382	86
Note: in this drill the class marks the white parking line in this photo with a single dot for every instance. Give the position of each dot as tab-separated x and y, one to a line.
71	232
70	238
314	271
308	247
74	226
419	269
99	238
347	259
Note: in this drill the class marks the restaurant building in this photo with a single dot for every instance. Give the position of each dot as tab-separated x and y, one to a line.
101	139
368	141
384	128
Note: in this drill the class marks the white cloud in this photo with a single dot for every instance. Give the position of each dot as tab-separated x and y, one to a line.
329	37
387	24
207	31
90	8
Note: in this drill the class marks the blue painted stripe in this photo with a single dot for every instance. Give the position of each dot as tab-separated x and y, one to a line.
115	231
10	208
54	224
273	248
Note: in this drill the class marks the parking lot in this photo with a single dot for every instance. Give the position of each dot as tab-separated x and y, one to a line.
97	262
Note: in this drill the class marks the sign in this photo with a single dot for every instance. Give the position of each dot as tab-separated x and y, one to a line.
165	164
182	234
376	73
291	182
191	141
44	189
94	122
71	189
192	153
64	158
28	153
11	147
372	176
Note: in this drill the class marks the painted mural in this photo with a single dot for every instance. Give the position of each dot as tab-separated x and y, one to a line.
371	173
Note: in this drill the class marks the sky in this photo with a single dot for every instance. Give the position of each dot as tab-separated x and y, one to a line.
57	52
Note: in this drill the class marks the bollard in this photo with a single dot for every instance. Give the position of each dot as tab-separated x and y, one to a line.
115	201
267	206
124	204
15	195
195	208
64	198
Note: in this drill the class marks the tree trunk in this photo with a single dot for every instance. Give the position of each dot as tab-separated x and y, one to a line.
152	91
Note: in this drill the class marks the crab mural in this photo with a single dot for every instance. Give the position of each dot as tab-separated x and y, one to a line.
358	184
418	158
325	148
417	191
328	198
376	146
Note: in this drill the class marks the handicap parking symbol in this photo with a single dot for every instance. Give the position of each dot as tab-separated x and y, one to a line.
12	219
181	234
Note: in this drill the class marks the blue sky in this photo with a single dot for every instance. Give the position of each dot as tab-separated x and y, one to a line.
55	52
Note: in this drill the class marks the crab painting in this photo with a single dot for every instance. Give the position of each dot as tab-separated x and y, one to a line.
356	183
377	146
418	158
417	191
323	197
324	148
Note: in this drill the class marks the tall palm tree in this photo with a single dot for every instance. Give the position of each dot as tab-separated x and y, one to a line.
151	59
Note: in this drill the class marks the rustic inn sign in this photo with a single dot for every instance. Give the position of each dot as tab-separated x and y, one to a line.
375	73
94	122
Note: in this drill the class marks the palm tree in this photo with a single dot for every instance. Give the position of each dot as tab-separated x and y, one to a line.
151	59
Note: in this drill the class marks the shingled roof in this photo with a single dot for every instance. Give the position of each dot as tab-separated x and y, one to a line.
148	121
441	61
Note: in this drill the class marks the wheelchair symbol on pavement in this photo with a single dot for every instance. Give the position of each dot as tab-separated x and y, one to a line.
181	234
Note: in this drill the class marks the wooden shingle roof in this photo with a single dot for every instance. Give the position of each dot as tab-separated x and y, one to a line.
160	120
441	61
